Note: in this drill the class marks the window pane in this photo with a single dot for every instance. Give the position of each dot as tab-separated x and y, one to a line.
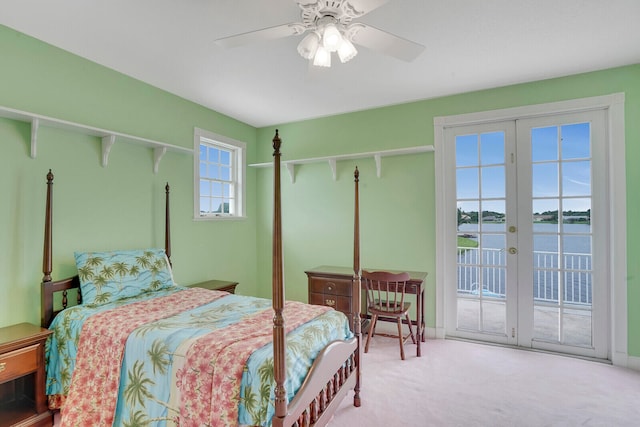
225	173
203	153
214	155
213	172
225	158
205	187
204	205
217	189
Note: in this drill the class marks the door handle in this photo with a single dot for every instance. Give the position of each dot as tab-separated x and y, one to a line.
513	251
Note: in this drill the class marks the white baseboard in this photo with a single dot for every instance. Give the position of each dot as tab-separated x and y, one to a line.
633	362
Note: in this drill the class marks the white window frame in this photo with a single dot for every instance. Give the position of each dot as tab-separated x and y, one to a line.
238	175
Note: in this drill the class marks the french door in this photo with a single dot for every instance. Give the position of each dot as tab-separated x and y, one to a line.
530	201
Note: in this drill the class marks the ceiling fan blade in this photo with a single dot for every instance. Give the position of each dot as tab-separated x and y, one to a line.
384	42
364	6
270	33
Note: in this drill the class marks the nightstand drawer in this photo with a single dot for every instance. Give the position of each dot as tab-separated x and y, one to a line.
18	363
330	286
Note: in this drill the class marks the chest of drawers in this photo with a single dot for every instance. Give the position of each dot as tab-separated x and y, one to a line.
333	289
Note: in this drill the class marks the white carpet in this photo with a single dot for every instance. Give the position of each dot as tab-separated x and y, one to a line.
458	383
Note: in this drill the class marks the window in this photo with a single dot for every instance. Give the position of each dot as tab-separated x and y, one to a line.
219	176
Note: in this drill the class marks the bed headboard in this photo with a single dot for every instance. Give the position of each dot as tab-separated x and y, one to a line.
50	287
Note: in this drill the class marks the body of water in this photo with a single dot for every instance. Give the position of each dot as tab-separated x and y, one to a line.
577	240
548	262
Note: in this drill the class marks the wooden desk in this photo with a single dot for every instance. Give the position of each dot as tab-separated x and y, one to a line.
323	291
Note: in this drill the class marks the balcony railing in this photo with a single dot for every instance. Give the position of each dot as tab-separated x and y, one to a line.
486	269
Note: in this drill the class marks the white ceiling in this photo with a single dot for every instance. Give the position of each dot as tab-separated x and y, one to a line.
470	45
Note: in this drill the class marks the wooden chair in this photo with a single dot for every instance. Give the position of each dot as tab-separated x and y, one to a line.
385	298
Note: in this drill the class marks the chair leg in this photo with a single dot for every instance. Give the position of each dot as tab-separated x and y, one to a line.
413	338
372	327
401	338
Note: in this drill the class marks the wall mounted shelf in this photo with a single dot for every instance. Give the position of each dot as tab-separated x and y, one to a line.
108	137
332	160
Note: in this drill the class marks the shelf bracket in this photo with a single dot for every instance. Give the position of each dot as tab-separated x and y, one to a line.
35	124
332	165
107	143
158	152
291	168
378	158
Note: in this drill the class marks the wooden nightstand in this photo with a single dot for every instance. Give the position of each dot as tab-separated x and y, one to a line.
217	285
22	376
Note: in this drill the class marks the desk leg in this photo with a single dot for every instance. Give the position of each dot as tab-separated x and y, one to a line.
419	315
422	314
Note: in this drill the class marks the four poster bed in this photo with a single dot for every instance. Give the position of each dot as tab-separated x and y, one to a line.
137	349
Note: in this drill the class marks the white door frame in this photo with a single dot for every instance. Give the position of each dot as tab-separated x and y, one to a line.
614	109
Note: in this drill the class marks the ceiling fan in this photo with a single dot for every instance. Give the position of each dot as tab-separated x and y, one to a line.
330	28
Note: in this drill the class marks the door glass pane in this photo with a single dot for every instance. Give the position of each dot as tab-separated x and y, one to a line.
576	179
467	150
492	148
494	216
467	181
492	181
481	256
576	211
573	138
545	180
562	250
544	144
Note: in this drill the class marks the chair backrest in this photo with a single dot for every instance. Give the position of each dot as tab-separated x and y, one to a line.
385	290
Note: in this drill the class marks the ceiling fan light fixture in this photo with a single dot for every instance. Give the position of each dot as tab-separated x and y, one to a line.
322	57
309	45
331	38
347	51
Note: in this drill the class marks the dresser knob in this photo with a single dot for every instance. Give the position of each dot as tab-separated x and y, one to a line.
330	302
3	366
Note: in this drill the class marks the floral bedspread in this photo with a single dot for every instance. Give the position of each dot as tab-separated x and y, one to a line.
199	346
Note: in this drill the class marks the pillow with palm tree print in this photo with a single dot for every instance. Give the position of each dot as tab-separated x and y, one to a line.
111	276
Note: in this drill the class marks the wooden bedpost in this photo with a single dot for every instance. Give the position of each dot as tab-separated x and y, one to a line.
46	299
46	256
357	293
167	225
279	343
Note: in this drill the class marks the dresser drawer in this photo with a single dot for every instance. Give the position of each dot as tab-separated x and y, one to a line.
18	363
330	286
339	302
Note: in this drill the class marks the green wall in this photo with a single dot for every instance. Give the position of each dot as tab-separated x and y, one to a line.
397	210
121	206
